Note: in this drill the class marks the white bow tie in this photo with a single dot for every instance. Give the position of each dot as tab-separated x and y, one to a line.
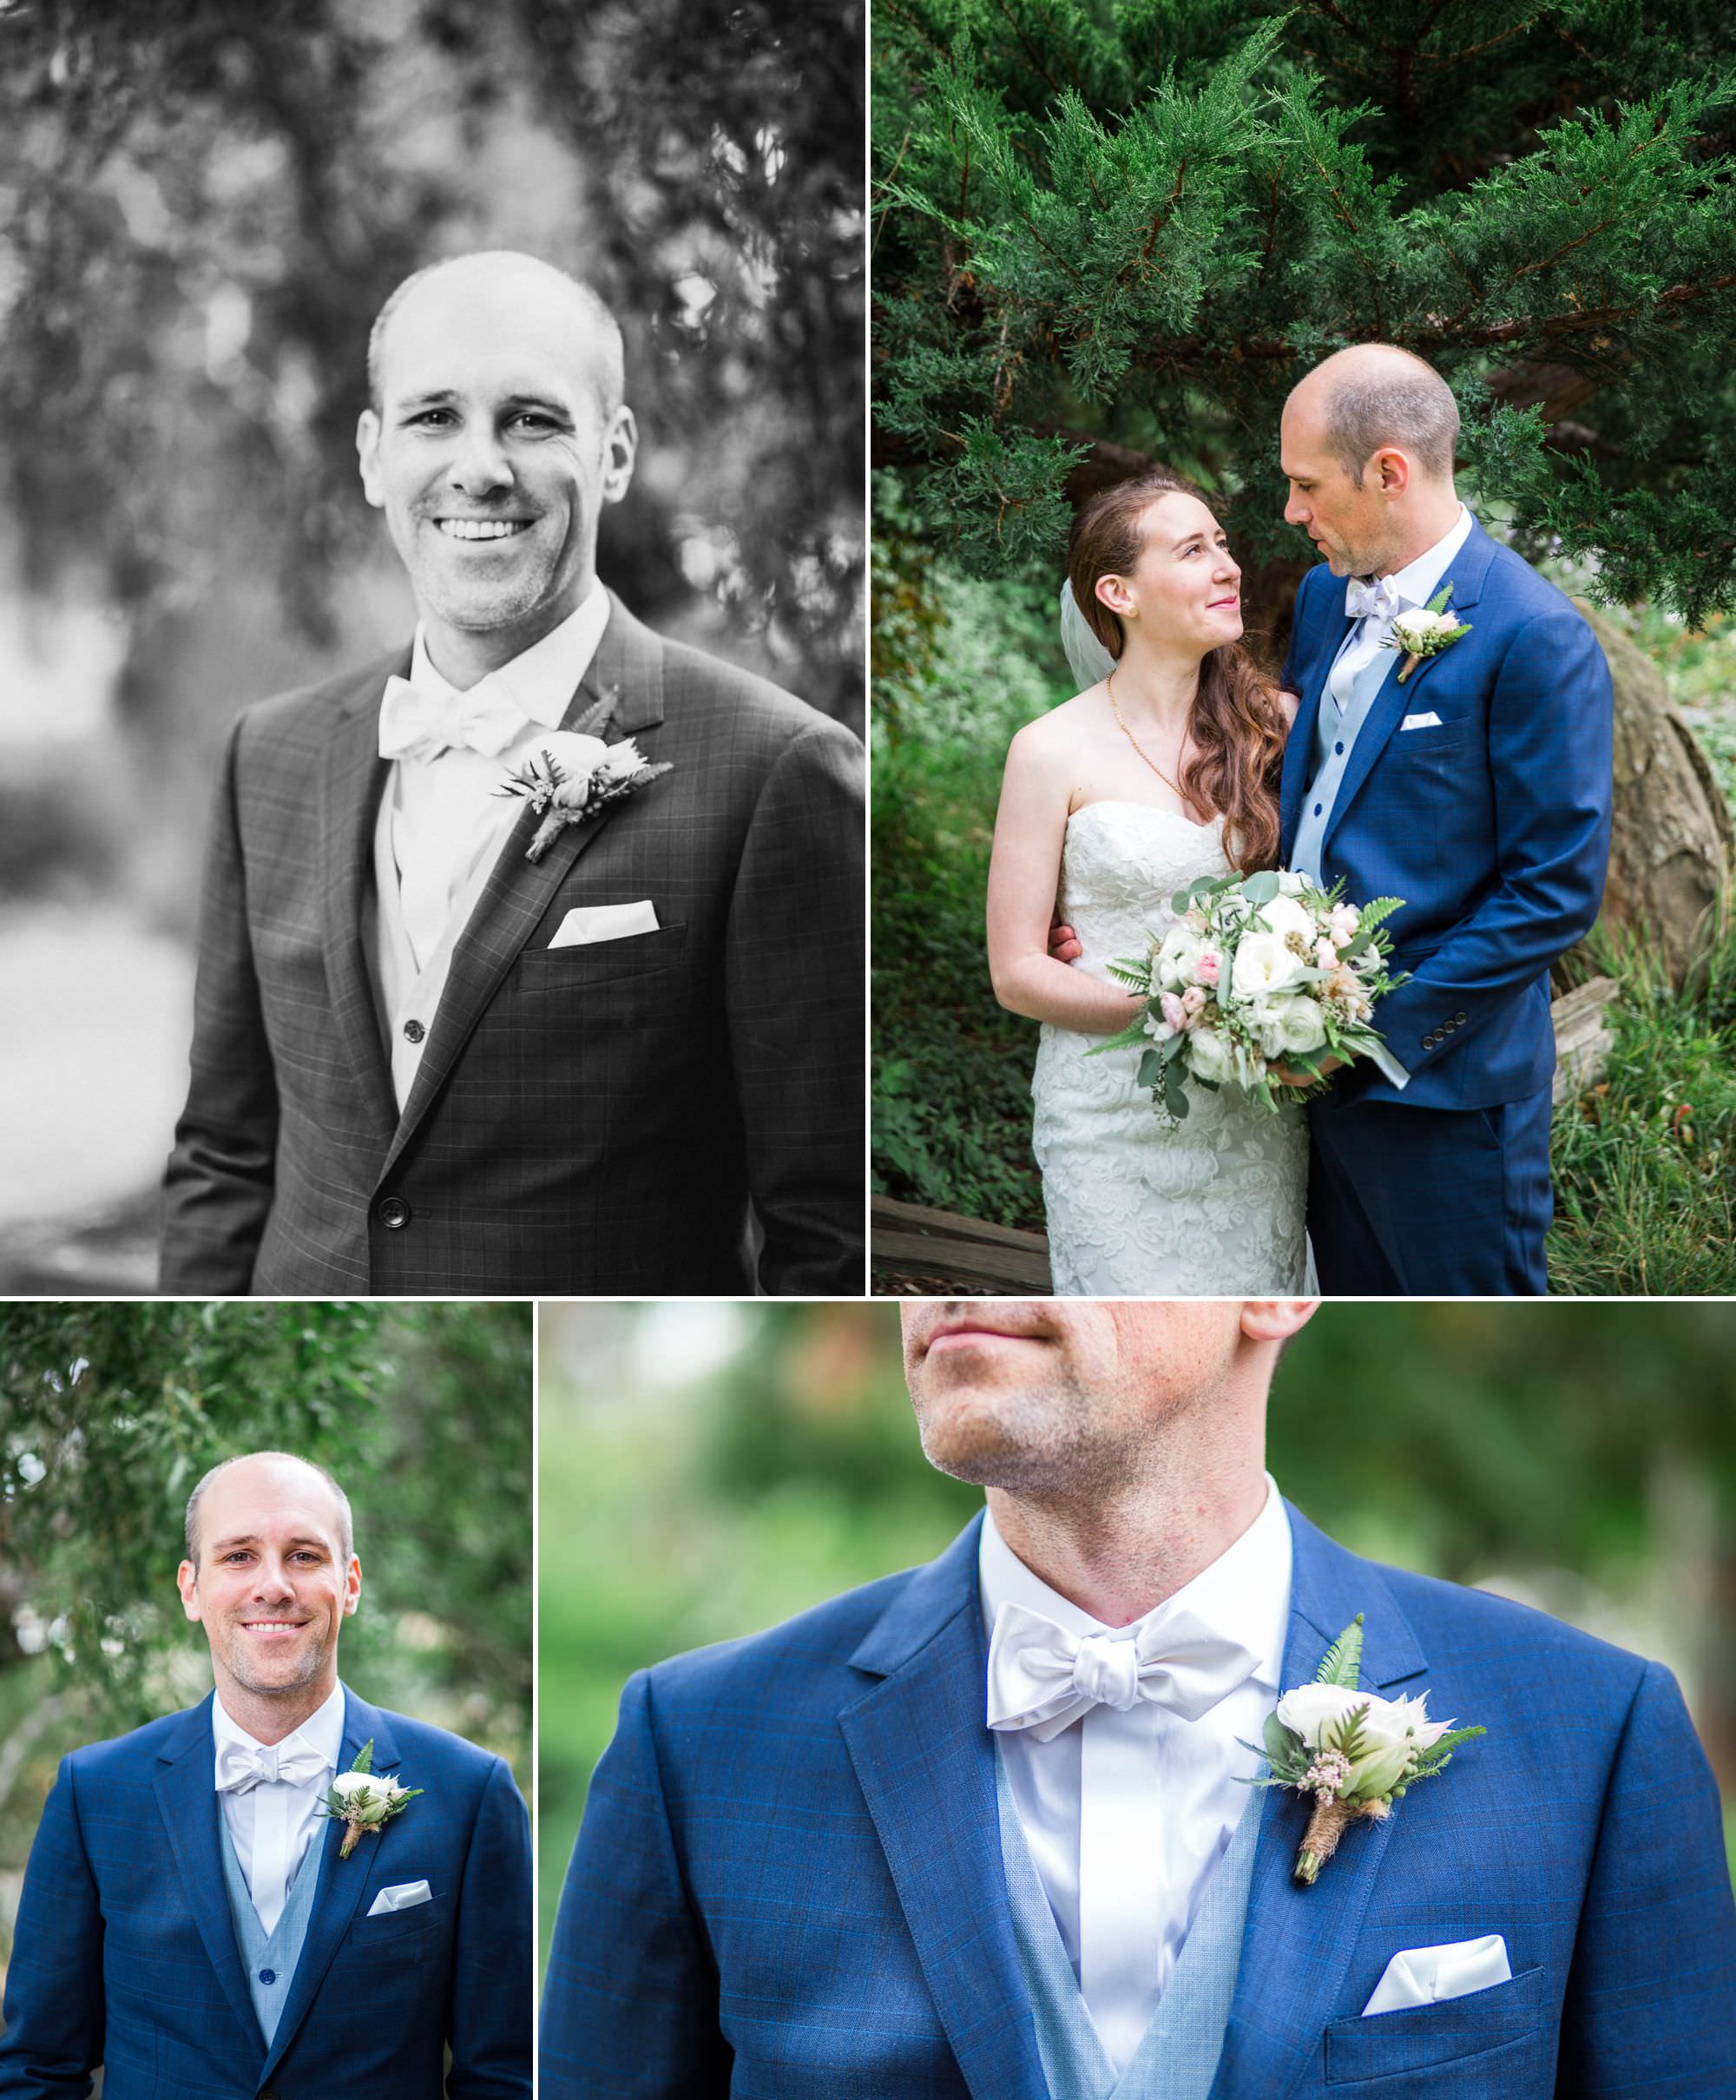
1376	595
240	1767
420	726
1043	1678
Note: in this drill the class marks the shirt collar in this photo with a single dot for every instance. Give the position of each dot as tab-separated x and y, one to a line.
1244	1594
541	680
1418	581
322	1731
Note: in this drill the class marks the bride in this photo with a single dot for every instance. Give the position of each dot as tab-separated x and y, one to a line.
1167	768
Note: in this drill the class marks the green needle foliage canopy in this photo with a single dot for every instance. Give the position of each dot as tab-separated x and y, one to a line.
1113	230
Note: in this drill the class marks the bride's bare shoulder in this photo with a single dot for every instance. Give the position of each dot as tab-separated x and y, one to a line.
1058	730
1283	703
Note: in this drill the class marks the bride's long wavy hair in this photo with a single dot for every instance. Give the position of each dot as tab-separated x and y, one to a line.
1236	727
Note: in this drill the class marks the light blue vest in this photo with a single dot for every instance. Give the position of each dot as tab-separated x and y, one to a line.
1335	737
1178	2059
274	1956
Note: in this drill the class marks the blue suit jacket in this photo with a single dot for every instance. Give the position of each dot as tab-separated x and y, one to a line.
125	1951
1493	826
788	1885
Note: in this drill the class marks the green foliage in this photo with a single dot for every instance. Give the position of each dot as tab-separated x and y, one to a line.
109	1413
1117	228
1342	1661
1645	1164
1435	1759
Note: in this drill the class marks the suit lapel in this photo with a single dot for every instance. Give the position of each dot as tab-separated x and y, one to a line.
627	671
1299	749
338	1894
187	1795
925	1762
1466	573
354	777
1298	1942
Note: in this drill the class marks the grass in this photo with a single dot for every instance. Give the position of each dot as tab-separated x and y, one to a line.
1643	1163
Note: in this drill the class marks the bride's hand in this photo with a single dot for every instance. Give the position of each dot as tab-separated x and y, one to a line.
1286	1077
1063	943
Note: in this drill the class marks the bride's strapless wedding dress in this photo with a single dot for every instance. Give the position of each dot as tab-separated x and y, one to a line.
1212	1207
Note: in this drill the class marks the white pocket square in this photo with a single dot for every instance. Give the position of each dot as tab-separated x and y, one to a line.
405	1897
1423	1976
587	923
1431	720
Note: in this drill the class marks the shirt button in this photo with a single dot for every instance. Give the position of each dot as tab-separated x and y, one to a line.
413	1032
267	1976
394	1214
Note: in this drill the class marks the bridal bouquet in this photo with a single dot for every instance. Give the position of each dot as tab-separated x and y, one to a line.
1256	970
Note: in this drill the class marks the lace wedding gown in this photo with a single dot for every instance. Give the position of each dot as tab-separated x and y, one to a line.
1137	1208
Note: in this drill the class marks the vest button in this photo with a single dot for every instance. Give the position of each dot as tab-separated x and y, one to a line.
1317	809
413	1032
1338	750
394	1214
267	1976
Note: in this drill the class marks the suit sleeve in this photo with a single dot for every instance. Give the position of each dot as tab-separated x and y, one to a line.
630	2007
1551	733
218	1189
489	2010
1651	1995
794	991
54	2034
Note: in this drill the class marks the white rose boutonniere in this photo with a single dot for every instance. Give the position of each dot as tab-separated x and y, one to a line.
364	1800
1426	633
1355	1754
573	776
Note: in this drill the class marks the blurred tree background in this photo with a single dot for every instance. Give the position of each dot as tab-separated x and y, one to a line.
202	205
1110	230
708	1470
110	1414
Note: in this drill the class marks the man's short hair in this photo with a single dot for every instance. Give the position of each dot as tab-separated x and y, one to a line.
346	1530
608	354
1407	403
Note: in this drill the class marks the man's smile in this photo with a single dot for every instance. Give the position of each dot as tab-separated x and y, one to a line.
482	528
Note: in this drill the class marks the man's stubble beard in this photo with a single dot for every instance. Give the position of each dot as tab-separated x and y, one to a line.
1025	1444
312	1663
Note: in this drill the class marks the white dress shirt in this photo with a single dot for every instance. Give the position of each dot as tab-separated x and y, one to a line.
442	826
1127	1815
273	1823
1412	587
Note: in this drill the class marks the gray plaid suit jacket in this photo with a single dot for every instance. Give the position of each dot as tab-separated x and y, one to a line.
587	1120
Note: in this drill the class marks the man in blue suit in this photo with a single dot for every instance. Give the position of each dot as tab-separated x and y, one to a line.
981	1831
1475	784
188	1920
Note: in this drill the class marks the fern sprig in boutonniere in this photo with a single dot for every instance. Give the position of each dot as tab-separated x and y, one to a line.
364	1800
1426	633
573	776
1355	1754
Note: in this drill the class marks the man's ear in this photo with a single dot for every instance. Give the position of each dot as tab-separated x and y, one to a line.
367	453
186	1581
1276	1319
1391	471
352	1585
621	448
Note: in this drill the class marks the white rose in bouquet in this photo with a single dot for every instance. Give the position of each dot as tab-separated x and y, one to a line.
1208	1054
1177	954
1264	963
1295	1023
1283	916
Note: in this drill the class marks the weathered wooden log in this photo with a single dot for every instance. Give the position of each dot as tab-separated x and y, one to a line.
1583	1039
1673	848
974	1255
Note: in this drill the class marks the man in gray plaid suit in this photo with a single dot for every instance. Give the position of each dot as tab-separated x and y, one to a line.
442	1046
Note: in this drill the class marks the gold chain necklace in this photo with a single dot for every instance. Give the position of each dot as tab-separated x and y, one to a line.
1109	687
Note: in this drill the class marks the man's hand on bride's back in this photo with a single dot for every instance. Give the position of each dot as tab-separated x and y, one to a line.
1063	943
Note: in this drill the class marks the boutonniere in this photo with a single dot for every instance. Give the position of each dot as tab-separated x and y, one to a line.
1426	633
1355	1755
363	1799
573	776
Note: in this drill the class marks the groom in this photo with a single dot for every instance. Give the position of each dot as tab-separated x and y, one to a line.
1475	784
426	1061
979	1832
189	1921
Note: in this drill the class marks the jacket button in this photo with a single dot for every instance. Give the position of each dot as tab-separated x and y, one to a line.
267	1976
269	2093
413	1032
1458	1020
394	1214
